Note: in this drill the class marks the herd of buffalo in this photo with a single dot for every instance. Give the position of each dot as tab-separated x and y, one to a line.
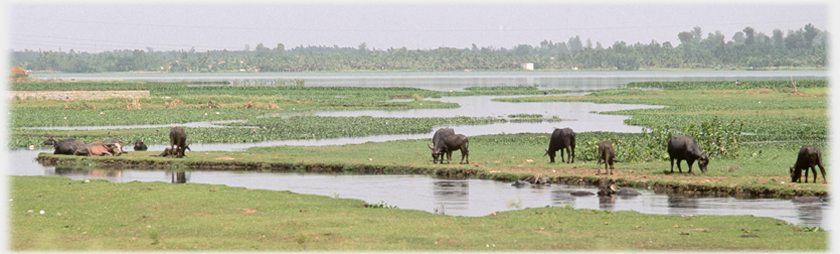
445	141
109	147
680	147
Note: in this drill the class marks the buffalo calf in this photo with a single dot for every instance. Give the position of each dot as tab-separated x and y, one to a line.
606	153
457	142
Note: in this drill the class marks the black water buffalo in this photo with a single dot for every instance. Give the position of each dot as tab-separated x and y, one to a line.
581	193
437	146
681	147
809	156
456	142
139	145
178	140
562	139
65	146
606	153
612	189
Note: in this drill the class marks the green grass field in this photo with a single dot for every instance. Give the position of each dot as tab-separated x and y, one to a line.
156	216
104	216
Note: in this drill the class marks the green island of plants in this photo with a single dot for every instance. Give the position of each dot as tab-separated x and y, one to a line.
752	144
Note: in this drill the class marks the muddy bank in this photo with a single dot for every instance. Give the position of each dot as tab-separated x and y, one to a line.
464	172
75	95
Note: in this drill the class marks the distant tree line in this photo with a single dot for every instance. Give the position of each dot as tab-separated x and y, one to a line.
805	47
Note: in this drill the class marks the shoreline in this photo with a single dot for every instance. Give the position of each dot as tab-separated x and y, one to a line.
449	172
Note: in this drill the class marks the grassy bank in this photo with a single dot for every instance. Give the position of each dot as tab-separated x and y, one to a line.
502	157
104	216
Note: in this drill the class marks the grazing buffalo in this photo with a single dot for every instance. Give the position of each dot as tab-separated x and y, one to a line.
65	146
100	148
178	140
437	146
562	139
809	156
681	147
606	153
140	146
456	142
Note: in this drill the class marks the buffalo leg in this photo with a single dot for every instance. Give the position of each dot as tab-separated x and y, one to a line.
562	156
466	155
572	153
672	165
822	170
679	161
813	170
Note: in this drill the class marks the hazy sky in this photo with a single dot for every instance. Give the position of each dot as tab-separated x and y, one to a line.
98	27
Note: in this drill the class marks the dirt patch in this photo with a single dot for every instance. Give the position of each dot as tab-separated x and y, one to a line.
76	95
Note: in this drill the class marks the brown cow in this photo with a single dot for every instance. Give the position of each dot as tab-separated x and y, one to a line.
99	148
606	153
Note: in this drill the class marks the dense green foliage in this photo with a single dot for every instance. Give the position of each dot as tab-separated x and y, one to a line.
805	47
784	85
768	110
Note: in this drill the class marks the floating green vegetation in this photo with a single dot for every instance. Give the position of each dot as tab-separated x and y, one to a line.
526	116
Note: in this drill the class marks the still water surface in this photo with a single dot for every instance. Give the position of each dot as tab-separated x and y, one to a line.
456	81
471	197
457	197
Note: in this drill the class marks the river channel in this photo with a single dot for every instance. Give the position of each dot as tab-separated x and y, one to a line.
445	196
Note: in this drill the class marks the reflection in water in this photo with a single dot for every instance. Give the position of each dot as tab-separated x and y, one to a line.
178	177
810	213
606	202
562	197
454	197
679	205
110	175
452	194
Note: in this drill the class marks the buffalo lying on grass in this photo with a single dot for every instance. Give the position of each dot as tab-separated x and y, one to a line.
65	146
562	139
681	147
809	156
139	145
100	148
169	152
